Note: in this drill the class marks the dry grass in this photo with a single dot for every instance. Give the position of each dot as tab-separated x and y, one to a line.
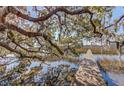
112	65
52	58
67	58
97	50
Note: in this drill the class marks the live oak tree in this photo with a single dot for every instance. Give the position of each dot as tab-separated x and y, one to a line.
50	30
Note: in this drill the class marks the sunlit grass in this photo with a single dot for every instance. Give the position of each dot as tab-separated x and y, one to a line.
112	65
97	50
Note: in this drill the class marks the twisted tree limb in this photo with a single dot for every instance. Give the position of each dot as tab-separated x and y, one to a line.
115	22
11	9
31	34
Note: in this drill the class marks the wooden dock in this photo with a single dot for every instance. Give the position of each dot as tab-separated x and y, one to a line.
88	73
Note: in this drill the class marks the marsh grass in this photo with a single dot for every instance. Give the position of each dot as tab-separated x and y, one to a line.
97	50
116	66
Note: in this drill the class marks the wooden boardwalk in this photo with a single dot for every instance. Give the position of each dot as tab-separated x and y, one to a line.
88	73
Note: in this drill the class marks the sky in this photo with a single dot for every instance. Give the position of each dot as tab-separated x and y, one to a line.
118	12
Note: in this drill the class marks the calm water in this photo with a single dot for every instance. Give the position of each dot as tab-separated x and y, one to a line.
110	77
46	65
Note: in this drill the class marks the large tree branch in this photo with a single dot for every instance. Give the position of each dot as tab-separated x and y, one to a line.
31	34
43	18
4	45
51	13
115	22
26	49
17	44
98	34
